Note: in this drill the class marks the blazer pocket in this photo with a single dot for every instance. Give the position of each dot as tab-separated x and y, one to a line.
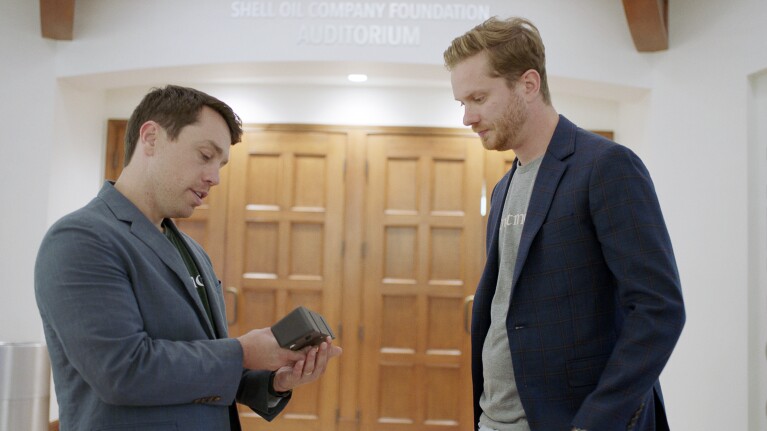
560	230
585	371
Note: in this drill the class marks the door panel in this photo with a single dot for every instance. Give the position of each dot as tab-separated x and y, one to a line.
285	218
422	240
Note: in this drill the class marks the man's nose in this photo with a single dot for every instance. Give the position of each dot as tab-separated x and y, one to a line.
469	117
213	176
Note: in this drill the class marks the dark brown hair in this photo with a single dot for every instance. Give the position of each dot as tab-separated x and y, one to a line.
174	108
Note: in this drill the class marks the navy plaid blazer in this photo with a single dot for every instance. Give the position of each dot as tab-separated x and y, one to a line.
597	306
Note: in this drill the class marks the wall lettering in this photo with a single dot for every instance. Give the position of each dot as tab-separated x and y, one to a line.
396	23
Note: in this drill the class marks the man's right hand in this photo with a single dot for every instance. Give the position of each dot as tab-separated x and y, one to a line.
260	351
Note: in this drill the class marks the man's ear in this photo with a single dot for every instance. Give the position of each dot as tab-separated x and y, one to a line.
148	134
532	84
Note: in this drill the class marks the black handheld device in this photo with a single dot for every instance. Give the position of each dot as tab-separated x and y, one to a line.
300	328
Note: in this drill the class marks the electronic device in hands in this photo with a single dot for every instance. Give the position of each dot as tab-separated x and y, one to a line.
300	328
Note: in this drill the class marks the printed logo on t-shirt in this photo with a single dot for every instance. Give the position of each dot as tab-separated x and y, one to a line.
513	220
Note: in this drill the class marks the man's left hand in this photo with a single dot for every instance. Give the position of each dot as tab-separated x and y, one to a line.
308	370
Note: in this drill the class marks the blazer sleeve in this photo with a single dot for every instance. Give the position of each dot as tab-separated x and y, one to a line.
637	249
254	393
86	296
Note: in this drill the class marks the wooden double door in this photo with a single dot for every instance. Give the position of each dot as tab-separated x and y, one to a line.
381	230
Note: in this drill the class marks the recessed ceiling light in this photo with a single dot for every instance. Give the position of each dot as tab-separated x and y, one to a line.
357	77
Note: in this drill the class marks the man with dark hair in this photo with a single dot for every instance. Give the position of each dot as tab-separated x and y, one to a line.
580	305
132	311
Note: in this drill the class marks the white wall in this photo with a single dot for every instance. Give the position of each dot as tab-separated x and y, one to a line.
694	113
699	152
27	95
364	105
77	170
115	35
757	193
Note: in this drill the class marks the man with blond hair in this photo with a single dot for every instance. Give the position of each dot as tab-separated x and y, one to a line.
580	304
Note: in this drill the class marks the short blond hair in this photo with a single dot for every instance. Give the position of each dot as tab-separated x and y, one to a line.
513	46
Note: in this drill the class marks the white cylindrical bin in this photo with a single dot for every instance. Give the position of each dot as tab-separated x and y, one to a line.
25	375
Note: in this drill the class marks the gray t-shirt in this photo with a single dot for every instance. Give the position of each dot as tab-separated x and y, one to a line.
501	407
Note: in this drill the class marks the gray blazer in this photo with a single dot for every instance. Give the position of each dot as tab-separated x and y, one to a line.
130	343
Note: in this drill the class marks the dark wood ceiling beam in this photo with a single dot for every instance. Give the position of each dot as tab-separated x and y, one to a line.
648	22
57	18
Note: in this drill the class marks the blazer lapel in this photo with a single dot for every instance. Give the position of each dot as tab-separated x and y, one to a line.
496	212
550	173
211	285
146	232
486	288
207	281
